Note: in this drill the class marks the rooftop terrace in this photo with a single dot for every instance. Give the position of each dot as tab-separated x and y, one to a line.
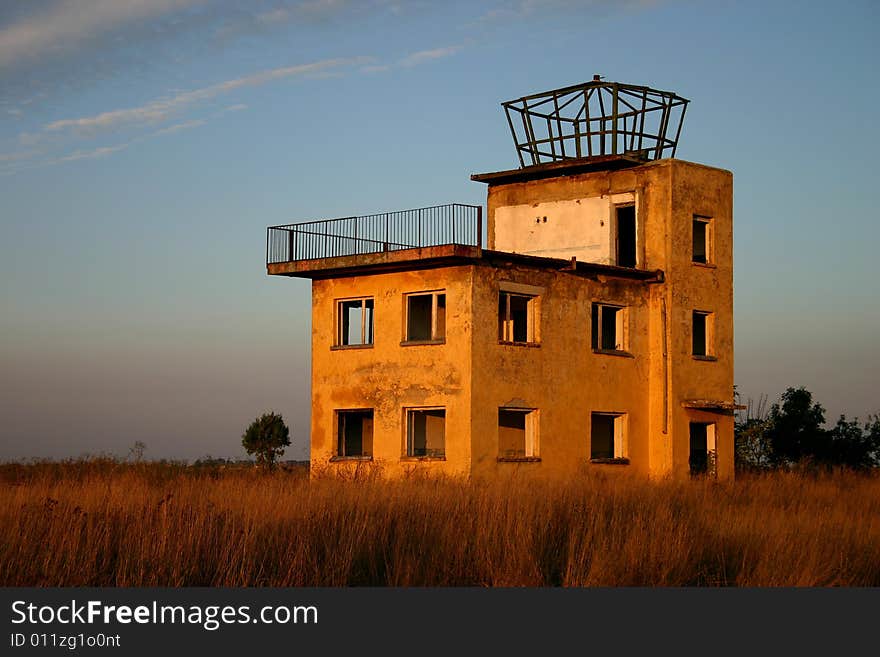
439	225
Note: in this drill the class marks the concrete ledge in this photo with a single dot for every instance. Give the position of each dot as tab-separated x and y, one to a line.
346	347
614	352
448	255
375	262
614	461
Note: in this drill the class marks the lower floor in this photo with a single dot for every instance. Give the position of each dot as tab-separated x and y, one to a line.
431	439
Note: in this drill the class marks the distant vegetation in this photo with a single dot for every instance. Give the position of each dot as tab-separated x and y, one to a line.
792	434
104	522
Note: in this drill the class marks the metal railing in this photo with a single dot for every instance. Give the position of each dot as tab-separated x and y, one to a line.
388	231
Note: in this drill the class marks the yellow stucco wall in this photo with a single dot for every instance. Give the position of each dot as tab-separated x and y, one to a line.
389	377
472	374
560	376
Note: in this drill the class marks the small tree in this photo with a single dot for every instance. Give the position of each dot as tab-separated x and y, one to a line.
794	427
266	438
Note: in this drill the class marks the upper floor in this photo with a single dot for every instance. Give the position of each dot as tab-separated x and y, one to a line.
666	215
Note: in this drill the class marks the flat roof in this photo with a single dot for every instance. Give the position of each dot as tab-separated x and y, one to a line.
565	167
448	255
570	167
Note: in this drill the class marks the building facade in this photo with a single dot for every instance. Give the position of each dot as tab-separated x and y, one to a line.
594	330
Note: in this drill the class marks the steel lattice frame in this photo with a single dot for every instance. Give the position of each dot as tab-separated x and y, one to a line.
595	119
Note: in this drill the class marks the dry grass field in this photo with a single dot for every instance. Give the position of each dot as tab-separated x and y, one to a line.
106	523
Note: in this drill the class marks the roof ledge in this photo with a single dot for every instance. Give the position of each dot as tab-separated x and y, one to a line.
712	405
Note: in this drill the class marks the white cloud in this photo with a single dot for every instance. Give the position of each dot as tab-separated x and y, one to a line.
157	111
161	109
67	22
416	58
186	125
97	152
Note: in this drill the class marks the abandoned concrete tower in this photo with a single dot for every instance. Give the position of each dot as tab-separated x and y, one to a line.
594	330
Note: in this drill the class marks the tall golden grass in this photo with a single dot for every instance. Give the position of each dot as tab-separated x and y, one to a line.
105	523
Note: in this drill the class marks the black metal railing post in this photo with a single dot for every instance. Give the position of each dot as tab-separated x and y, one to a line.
452	220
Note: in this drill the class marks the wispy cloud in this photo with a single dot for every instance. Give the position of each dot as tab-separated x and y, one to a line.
66	22
35	147
155	118
91	154
11	163
414	59
161	109
422	56
186	125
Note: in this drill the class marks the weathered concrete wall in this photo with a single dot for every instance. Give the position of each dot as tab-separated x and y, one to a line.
389	377
560	376
580	212
708	192
667	195
580	228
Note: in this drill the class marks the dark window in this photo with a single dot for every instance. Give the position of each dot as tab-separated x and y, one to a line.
354	433
602	437
426	317
607	327
701	460
699	333
626	236
419	317
516	317
700	241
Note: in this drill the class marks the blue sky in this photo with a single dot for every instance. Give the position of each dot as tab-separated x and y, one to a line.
146	145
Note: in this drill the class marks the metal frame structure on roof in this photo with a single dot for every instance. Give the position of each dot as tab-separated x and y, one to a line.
593	119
